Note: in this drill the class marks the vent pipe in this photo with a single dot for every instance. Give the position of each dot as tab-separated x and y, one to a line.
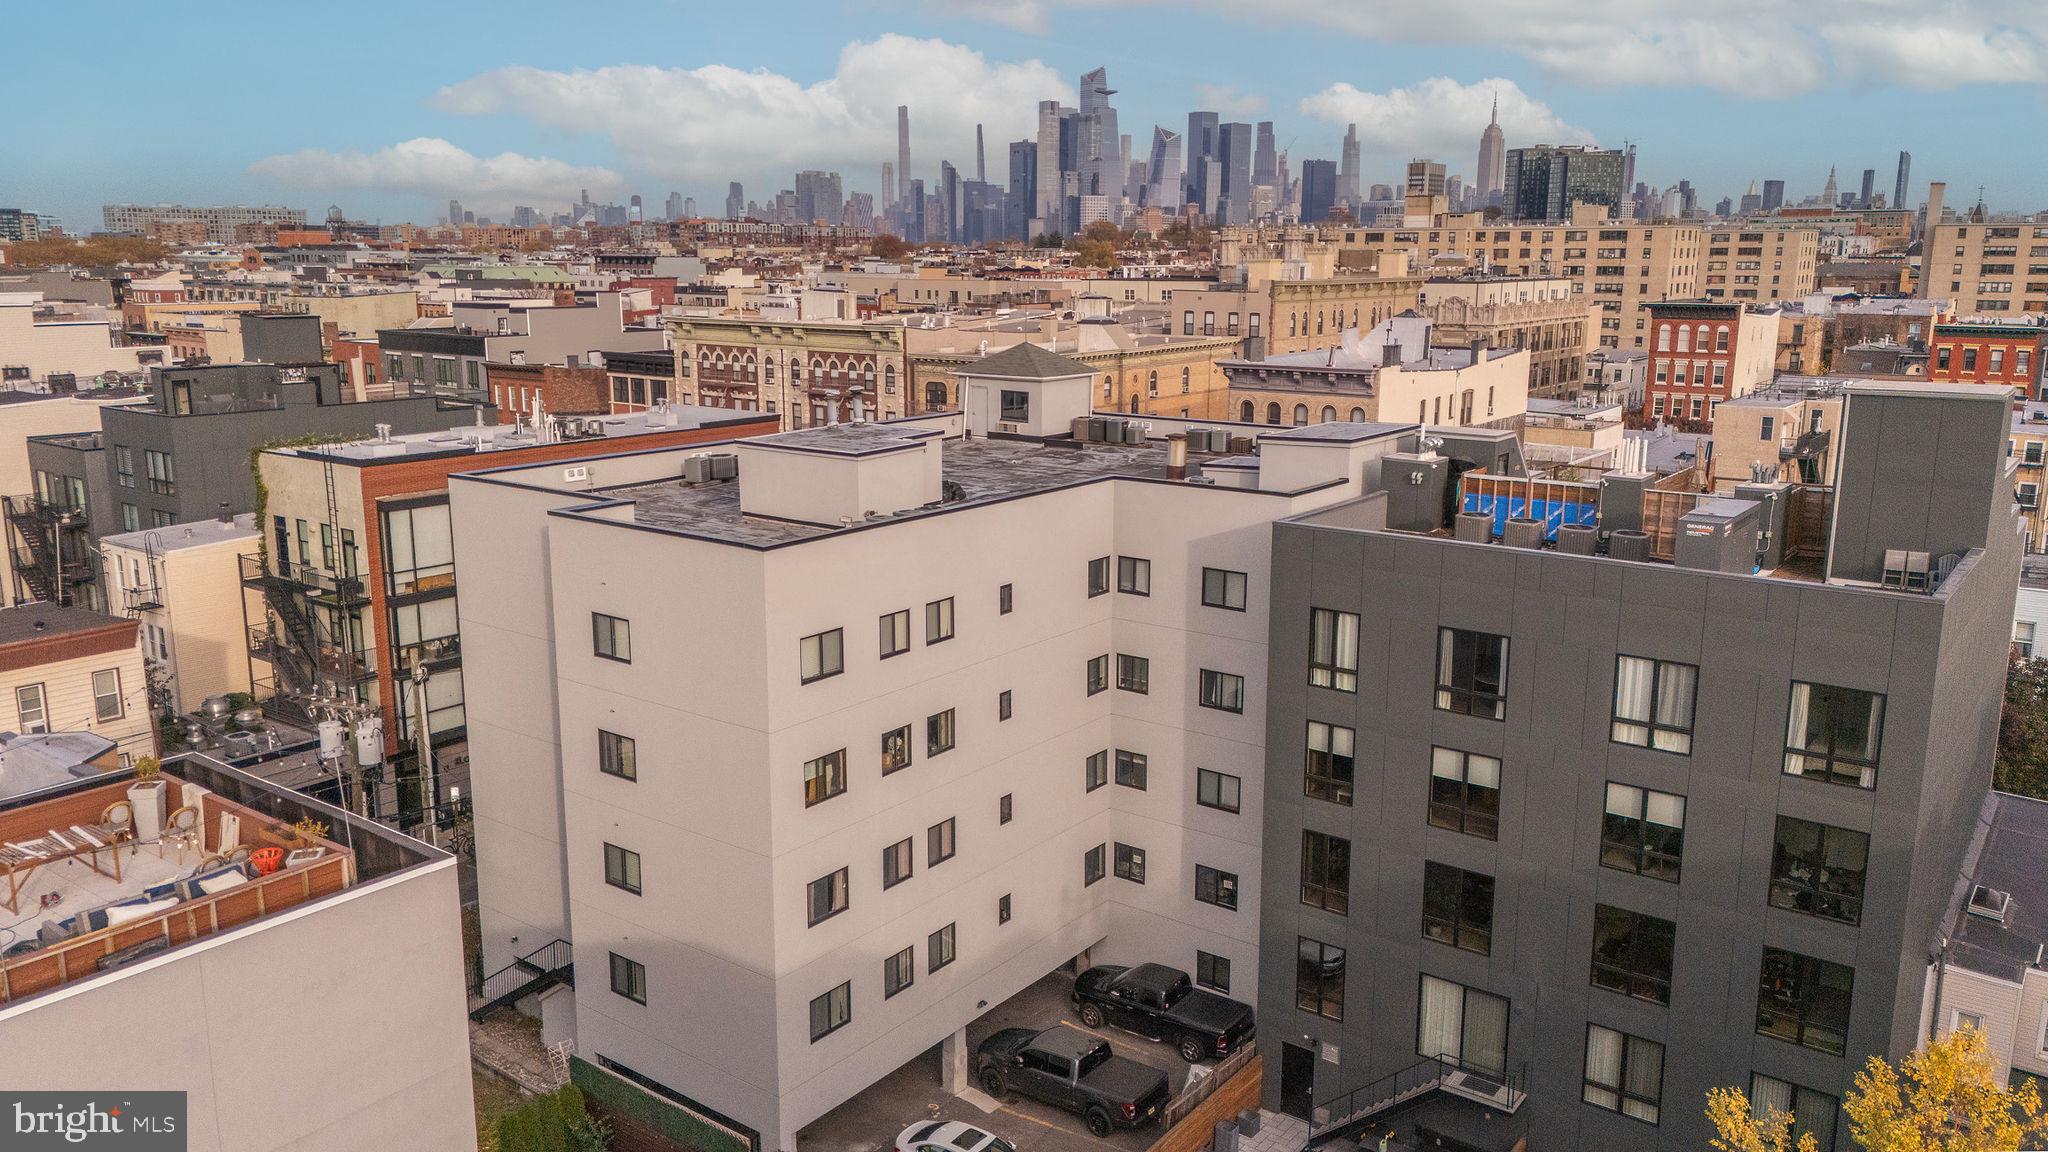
1177	456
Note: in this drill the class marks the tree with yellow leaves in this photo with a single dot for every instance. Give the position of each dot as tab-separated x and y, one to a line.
1943	1098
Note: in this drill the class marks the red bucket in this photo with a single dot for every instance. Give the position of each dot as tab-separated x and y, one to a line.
267	860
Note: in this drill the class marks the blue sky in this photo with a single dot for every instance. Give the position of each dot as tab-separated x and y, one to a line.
390	109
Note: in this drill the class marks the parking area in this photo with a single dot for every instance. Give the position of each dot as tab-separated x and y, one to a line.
871	1121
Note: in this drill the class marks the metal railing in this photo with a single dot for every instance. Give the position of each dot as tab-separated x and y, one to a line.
552	963
1429	1074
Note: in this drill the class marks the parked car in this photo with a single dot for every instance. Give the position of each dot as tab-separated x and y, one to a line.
949	1136
1069	1069
1160	1002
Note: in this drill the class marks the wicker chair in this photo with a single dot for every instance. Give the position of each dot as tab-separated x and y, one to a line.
182	828
117	822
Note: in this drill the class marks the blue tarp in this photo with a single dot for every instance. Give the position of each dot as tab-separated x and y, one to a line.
1552	512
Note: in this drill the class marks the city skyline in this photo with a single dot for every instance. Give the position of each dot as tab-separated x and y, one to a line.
526	119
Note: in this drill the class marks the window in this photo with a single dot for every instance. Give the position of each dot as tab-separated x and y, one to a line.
822	655
31	716
1327	771
1319	979
163	475
1643	831
1624	1073
1004	808
1094	864
106	694
124	466
938	621
939	949
831	1011
1326	872
1818	869
896	863
1333	649
1212	971
1464	792
1213	886
898	972
1463	1025
611	637
1098	576
1134	575
1810	1111
1003	909
1832	734
1472	673
1804	1001
1133	673
1004	705
1004	600
420	546
1222	588
824	777
1130	863
895	749
1457	907
1222	691
1098	674
615	755
939	842
895	629
1098	770
1217	789
1632	953
629	978
938	733
622	868
826	896
1653	703
1130	769
1016	406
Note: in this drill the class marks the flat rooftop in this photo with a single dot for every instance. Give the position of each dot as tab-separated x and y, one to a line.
191	534
485	438
41	621
2013	835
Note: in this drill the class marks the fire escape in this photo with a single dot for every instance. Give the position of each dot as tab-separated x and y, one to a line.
51	548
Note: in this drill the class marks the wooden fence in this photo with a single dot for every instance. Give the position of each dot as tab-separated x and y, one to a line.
1192	1117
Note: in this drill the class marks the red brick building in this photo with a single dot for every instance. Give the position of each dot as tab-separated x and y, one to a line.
1702	353
559	388
1975	353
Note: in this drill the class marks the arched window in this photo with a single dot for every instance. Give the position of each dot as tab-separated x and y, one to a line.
1358	415
1272	413
935	396
1663	337
1105	386
1328	415
889	379
1319	322
1244	412
1300	415
1721	338
1152	382
1134	405
1183	381
1290	324
796	370
768	372
1702	338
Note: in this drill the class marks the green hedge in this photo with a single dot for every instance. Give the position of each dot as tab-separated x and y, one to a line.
666	1117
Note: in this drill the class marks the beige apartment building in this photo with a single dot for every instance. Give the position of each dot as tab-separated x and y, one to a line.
1996	267
1750	263
1618	265
1540	314
69	670
2028	450
183	586
1385	375
1787	429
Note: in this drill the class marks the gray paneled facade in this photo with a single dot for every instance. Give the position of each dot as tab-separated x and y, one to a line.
1938	660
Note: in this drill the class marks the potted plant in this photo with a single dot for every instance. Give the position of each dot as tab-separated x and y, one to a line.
146	797
309	832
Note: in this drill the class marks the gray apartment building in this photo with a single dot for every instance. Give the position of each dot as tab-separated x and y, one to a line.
449	359
1564	830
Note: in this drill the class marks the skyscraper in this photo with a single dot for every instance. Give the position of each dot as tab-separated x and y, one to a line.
1869	188
1426	177
1492	159
902	152
1318	190
1046	204
1265	162
1347	167
947	226
1098	157
1023	197
1234	158
980	158
1199	146
1899	187
1543	181
1828	195
888	187
455	212
673	210
1774	195
1162	173
735	201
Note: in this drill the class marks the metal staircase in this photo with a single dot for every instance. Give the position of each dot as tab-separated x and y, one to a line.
35	559
1348	1115
546	966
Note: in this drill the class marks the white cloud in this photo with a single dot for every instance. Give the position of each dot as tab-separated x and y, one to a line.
1228	102
433	167
1760	49
1017	15
1439	118
715	122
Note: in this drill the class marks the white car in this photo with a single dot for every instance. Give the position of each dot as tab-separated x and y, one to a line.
949	1136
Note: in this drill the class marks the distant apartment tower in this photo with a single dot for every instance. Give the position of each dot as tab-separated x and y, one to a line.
1544	181
903	153
735	201
1425	177
1869	188
17	225
1774	195
1899	185
1265	161
220	222
1318	190
1200	145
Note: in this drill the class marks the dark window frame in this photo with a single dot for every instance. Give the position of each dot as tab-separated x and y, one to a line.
1623	1093
1098	577
1216	593
839	891
606	634
1133	674
941	733
628	978
1098	674
938	621
899	862
832	773
1326	667
947	936
836	996
826	670
1094	865
899	971
1456	804
1829	770
1134	575
941	842
1799	1008
1627	948
903	757
1335	781
1655	731
1096	770
1132	769
622	868
1313	984
1215	887
1632	842
1462	923
1128	862
1220	697
1477	696
1212	971
618	756
1215	793
894	628
1808	884
1326	871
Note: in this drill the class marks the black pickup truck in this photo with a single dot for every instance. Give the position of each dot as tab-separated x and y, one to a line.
1069	1069
1160	1002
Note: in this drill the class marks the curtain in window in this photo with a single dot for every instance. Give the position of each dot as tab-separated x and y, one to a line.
1486	1033
1633	678
1347	642
1482	772
1768	1095
1603	1068
1645	1079
1662	808
1674	708
1796	735
1440	1030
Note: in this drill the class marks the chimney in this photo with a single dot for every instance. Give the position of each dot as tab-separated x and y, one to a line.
383	433
224	516
1177	456
1479	350
1390	355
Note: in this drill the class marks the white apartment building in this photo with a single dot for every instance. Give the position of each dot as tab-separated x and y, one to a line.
183	586
817	762
39	337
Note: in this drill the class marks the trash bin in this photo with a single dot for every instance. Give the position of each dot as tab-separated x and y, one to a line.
1226	1136
1248	1122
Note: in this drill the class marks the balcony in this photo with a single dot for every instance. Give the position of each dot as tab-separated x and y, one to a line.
305	580
143	599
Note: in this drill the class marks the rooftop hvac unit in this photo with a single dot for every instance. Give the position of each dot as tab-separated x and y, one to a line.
1908	571
1523	532
1628	544
1083	428
1474	527
697	469
1577	539
1219	440
1109	428
1989	903
725	466
1134	432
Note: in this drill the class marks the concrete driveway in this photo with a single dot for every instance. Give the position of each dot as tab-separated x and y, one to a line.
871	1121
